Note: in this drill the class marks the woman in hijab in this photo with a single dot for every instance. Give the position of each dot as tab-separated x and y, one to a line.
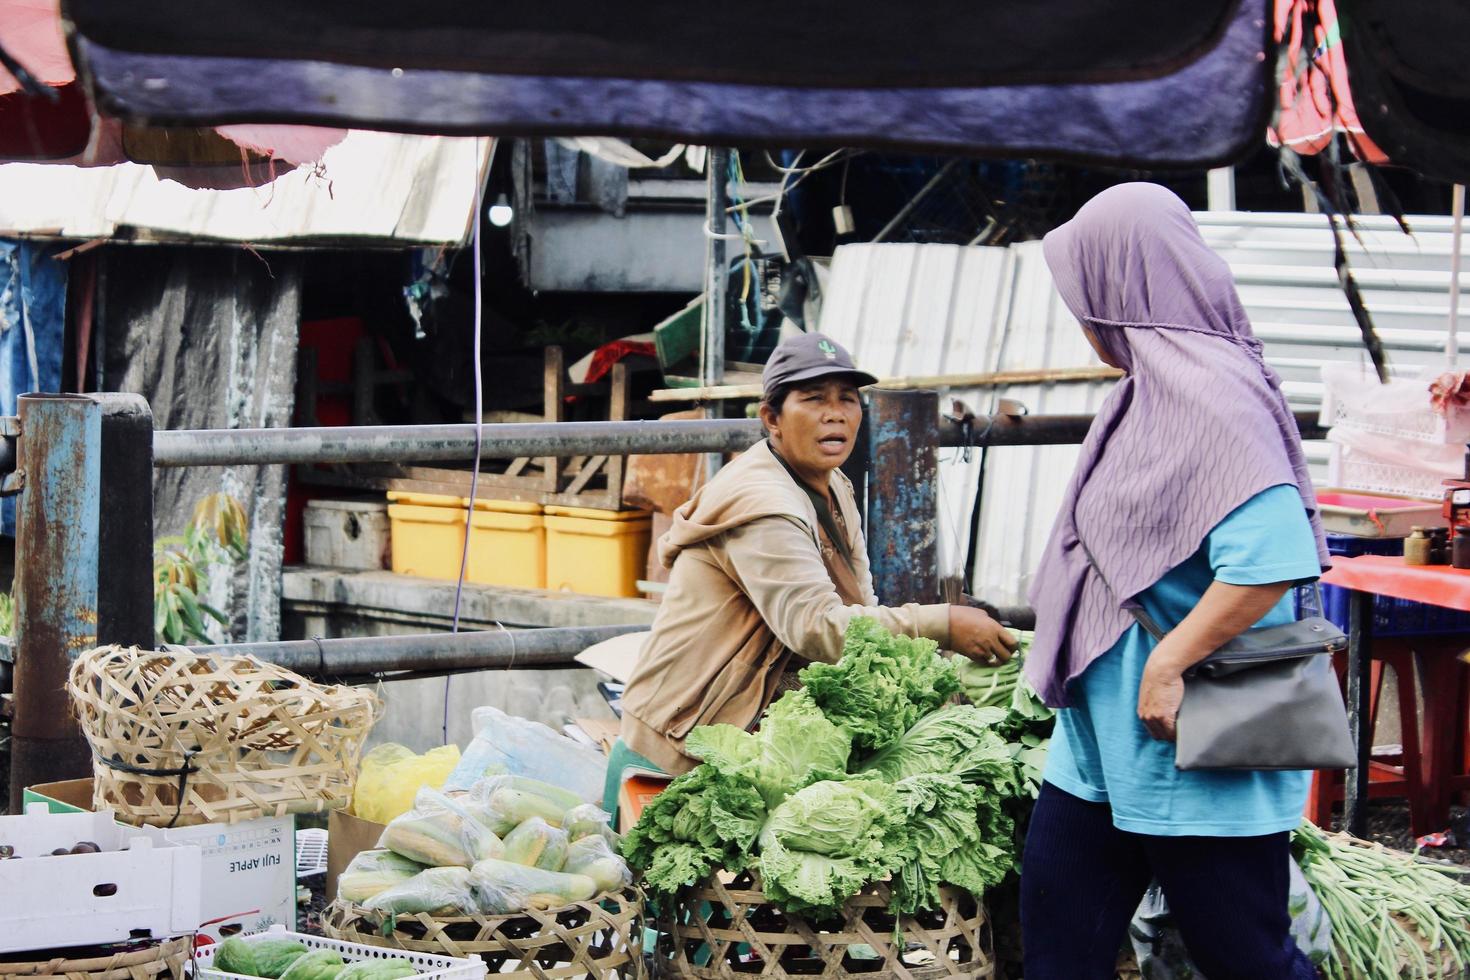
1192	497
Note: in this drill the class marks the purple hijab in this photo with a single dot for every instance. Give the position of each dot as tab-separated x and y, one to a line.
1197	427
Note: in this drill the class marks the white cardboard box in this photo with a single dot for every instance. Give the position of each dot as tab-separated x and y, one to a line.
134	887
247	869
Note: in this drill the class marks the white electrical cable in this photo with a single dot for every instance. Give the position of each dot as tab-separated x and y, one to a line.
469	517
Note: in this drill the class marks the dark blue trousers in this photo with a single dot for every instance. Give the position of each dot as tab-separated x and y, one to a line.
1082	880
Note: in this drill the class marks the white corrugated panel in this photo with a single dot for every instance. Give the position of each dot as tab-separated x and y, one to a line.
371	187
1024	485
939	309
910	310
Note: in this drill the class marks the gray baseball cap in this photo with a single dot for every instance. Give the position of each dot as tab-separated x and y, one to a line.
808	356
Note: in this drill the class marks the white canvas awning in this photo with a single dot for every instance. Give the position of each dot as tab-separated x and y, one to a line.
371	189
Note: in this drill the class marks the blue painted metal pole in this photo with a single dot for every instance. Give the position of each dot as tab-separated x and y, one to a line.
56	542
903	498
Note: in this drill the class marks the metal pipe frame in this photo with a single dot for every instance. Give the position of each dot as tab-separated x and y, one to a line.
430	443
356	656
56	545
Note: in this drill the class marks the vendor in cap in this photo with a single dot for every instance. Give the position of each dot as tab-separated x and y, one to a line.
767	566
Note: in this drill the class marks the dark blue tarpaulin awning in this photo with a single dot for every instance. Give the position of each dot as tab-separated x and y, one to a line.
1147	83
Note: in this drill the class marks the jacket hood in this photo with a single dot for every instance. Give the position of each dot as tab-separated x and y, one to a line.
754	486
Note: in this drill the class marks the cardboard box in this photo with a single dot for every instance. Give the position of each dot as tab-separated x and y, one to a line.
639	788
129	888
347	837
247	869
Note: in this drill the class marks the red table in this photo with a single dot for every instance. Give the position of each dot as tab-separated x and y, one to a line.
1370	575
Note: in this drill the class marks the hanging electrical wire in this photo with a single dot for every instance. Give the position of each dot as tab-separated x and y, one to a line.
479	371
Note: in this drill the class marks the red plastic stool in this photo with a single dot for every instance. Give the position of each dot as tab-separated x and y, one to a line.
1385	780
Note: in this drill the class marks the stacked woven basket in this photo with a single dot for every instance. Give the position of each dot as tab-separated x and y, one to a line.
600	938
722	930
180	738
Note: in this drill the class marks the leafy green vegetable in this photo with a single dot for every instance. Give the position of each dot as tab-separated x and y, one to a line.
827	841
882	684
958	739
959	836
703	821
795	747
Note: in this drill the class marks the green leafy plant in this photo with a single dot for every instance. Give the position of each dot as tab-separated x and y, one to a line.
216	535
7	615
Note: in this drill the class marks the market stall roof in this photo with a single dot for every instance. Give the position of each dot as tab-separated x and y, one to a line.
60	124
370	189
1144	83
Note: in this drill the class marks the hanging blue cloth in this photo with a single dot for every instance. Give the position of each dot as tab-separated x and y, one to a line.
32	330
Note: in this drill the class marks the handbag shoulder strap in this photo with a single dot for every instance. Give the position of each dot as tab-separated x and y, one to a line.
1149	624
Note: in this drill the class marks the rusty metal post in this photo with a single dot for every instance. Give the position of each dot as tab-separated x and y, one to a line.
903	497
125	540
56	541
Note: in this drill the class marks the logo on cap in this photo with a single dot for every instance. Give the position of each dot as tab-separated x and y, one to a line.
827	349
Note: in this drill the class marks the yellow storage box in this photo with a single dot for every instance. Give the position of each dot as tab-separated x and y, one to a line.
596	552
507	546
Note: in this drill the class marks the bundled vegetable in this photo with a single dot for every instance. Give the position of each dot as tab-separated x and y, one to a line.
501	887
393	969
593	857
440	832
1028	722
922	799
958	835
795	746
437	891
537	844
268	958
882	684
958	739
1393	915
827	841
704	820
372	872
503	803
586	820
319	964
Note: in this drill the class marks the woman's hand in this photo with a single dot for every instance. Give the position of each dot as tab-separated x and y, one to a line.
1222	613
1159	696
974	634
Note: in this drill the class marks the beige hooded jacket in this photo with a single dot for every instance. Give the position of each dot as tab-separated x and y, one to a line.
748	587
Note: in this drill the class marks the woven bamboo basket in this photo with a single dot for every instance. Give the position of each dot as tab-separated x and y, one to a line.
601	938
180	738
164	961
723	930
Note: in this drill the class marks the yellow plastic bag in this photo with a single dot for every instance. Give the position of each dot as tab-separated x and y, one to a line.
391	775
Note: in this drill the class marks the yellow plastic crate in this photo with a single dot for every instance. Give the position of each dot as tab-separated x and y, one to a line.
508	549
507	546
596	552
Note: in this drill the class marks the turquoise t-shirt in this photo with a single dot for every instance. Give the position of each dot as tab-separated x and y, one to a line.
1101	751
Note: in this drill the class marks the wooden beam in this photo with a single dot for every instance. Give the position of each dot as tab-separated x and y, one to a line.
989	379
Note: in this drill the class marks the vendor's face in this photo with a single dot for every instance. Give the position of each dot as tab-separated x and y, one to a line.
818	424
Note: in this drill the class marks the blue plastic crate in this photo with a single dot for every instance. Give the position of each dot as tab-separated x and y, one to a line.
1391	617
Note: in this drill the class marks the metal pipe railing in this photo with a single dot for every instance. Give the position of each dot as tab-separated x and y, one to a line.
523	649
427	443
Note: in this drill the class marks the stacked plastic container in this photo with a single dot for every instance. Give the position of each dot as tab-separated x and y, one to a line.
520	545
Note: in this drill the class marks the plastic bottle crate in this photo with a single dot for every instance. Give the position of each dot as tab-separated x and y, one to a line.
1391	617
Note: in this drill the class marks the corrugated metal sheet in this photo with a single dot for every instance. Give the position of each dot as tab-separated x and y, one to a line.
933	309
372	188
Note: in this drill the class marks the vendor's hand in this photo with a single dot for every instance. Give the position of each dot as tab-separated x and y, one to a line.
974	634
1159	696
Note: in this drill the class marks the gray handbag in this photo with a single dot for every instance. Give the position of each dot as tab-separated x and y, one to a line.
1268	699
